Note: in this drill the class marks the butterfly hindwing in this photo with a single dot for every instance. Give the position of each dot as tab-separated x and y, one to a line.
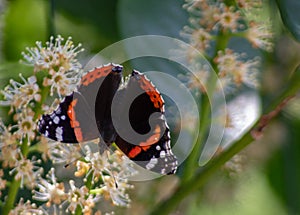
99	107
150	146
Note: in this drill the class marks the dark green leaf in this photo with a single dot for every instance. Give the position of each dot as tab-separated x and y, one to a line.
25	23
141	17
138	17
98	15
284	169
289	10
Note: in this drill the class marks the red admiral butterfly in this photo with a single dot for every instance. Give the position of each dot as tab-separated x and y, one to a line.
98	107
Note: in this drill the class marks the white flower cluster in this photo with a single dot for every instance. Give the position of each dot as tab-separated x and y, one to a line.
212	24
105	176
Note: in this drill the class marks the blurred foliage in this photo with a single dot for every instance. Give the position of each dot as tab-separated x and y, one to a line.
289	11
273	184
23	26
101	16
283	168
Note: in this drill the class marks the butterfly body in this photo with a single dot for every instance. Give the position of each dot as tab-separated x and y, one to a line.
132	116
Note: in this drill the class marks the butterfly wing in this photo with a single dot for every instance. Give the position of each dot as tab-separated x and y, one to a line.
149	143
57	125
87	112
74	120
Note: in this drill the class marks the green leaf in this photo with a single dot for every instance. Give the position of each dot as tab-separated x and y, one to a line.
289	11
283	169
88	19
142	17
139	17
25	23
12	70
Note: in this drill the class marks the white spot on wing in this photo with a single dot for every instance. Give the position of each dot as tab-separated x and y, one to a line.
151	163
162	154
58	133
58	111
56	120
52	115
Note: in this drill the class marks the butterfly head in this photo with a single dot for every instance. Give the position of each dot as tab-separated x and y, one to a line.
117	68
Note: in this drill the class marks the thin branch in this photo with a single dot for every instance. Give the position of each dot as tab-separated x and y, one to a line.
201	177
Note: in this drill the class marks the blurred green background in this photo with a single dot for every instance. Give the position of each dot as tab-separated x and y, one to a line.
270	180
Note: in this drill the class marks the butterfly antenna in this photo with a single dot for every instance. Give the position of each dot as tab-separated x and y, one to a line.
72	162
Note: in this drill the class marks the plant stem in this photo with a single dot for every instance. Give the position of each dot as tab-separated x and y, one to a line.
13	191
201	177
192	161
25	149
38	108
78	210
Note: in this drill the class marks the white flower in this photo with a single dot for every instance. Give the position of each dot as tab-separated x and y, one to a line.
18	95
61	82
234	72
26	208
6	136
50	190
114	188
235	165
228	18
26	125
9	155
113	169
63	153
27	171
54	55
98	163
199	38
260	36
59	60
108	163
80	197
197	80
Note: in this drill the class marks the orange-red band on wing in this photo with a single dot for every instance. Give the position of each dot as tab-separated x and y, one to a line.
153	138
137	150
73	121
134	152
152	92
95	74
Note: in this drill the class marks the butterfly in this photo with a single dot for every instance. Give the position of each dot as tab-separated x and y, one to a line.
129	114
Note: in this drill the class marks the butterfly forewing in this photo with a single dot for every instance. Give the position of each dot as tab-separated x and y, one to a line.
74	119
132	117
